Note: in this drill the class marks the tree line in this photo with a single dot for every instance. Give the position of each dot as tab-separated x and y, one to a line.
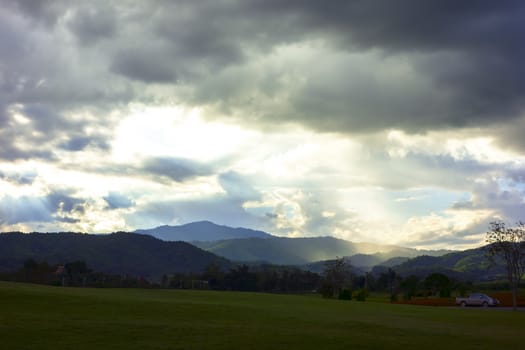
260	278
263	278
71	274
336	281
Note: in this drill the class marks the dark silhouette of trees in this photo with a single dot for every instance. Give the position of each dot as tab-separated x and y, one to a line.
337	276
241	278
35	272
261	278
508	244
214	275
438	283
389	281
77	273
409	286
71	274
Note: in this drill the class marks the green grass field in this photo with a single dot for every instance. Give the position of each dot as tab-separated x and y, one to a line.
42	317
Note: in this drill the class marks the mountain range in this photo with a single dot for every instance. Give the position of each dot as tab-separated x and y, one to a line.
300	251
245	245
142	254
242	245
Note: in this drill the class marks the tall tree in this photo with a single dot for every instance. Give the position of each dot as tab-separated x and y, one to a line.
438	283
409	286
336	277
508	243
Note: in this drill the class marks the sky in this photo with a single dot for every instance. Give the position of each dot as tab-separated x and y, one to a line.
396	122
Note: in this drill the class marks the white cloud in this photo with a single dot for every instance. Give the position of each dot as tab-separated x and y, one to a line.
451	229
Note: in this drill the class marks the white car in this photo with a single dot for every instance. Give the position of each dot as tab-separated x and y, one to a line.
477	299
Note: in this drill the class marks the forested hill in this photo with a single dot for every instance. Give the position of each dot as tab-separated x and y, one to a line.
471	264
202	231
117	253
303	250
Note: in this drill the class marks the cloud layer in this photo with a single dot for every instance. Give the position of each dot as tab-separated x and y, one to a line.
368	120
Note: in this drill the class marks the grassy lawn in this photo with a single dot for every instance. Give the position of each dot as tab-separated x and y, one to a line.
41	317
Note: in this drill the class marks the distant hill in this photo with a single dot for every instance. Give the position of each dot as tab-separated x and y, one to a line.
302	251
470	264
367	261
393	261
201	231
117	253
362	263
467	265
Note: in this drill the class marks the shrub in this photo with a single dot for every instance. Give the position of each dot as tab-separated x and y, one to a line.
444	293
360	294
345	294
393	297
326	291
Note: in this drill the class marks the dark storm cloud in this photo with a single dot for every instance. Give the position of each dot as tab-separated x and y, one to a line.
182	42
13	45
76	144
145	65
404	24
176	169
516	174
117	200
63	201
469	51
42	11
462	167
14	42
67	220
163	170
79	143
91	24
462	61
10	152
47	120
208	32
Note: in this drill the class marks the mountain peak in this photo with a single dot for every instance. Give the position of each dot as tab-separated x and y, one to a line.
201	231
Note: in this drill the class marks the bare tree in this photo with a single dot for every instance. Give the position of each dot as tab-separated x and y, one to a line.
508	243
